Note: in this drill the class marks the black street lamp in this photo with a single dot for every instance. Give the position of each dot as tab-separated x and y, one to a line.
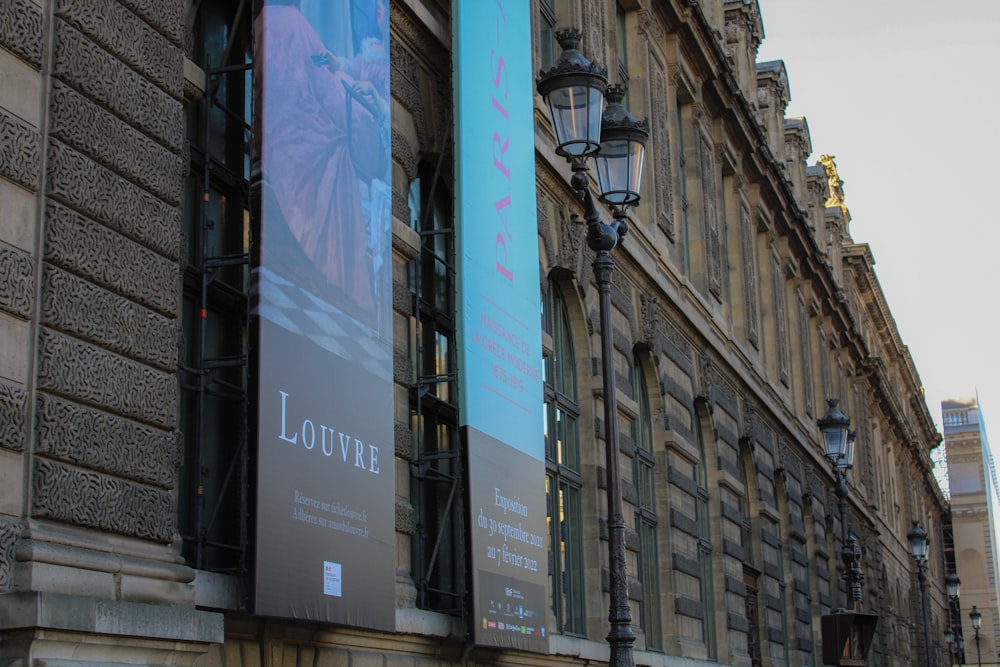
977	622
919	547
953	585
847	633
838	443
574	90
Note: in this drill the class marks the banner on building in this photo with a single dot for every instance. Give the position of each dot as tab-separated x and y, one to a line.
325	494
499	321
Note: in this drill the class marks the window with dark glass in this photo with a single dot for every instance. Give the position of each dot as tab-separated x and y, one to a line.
212	506
437	472
646	519
547	32
705	541
563	480
621	45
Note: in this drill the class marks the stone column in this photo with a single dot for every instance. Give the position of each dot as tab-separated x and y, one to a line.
91	192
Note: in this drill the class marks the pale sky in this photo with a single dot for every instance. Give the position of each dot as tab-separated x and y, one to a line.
906	95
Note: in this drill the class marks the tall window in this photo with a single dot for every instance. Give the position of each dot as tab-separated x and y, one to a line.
547	30
212	501
646	520
705	541
562	467
437	471
621	44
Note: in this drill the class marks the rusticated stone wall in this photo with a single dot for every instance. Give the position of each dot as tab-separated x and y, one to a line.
92	170
21	48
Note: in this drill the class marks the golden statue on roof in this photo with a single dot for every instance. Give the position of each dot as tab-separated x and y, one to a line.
835	186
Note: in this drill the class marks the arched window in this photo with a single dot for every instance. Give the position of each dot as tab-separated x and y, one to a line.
645	513
563	480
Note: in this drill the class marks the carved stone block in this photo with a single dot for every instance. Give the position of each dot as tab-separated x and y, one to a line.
93	500
111	83
17	282
8	536
21	29
167	16
13	408
90	375
19	151
104	442
95	252
74	306
105	138
108	198
128	37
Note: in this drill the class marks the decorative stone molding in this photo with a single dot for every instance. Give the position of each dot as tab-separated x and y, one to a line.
21	24
94	500
92	251
77	370
129	38
105	138
661	144
17	282
651	322
650	28
103	442
570	231
20	154
104	196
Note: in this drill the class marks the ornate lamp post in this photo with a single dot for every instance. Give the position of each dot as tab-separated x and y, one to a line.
949	637
953	584
977	622
847	633
574	90
919	547
838	443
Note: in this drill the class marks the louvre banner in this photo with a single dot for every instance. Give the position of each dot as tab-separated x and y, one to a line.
325	494
500	358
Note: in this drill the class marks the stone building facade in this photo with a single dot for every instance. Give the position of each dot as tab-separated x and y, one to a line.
740	301
975	502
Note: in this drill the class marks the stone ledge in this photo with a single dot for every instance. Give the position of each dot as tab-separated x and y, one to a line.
53	611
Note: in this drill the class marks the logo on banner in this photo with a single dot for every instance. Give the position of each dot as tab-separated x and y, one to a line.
332	581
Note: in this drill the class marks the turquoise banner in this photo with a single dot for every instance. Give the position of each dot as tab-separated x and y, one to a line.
500	356
497	230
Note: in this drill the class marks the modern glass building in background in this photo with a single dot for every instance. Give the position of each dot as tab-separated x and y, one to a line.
300	361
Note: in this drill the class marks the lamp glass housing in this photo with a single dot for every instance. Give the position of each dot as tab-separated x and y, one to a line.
954	584
976	617
619	170
575	110
847	460
919	544
623	146
834	426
